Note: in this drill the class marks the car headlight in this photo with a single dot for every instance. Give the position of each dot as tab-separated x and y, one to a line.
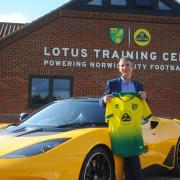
35	149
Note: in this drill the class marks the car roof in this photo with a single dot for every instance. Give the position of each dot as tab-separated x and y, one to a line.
81	99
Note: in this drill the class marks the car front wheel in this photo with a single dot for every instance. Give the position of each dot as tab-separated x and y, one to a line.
98	165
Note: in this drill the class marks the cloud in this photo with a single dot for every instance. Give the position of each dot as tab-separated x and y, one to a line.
13	17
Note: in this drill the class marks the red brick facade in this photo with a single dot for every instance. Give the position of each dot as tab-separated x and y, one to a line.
22	55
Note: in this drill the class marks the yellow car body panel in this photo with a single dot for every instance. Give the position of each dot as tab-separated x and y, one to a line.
59	163
4	125
64	162
159	140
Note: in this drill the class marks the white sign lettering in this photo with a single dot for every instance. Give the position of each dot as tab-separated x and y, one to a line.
105	58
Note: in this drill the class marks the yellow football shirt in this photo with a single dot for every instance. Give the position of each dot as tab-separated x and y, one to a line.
124	115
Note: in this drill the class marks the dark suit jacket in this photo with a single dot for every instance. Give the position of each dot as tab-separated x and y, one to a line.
114	86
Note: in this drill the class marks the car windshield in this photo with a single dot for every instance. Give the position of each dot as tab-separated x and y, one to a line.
68	112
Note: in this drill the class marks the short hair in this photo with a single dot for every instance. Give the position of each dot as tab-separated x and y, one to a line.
127	58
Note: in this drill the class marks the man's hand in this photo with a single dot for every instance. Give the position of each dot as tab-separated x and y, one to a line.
142	94
107	98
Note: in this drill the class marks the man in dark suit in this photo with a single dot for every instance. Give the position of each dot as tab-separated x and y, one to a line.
126	83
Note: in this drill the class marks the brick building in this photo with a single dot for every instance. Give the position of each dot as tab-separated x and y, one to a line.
73	50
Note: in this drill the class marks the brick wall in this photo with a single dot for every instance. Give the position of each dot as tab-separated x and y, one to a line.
22	55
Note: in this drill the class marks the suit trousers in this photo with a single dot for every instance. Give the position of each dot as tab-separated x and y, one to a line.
132	168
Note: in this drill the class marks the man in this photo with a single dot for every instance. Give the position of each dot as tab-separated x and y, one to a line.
126	83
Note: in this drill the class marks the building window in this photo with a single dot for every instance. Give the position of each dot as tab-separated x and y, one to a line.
61	88
162	6
143	3
118	2
47	89
95	2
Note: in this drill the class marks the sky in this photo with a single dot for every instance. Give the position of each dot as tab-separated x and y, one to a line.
26	11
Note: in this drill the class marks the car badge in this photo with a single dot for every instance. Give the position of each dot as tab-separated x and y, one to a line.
142	37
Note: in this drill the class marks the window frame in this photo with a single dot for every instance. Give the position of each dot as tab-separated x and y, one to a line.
50	92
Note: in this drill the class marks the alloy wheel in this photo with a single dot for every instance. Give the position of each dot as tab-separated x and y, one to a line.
98	168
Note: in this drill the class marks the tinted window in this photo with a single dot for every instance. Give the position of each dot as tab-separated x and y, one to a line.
61	88
162	6
67	112
47	89
39	91
95	2
143	3
118	2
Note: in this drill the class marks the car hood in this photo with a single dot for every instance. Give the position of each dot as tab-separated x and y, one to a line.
12	141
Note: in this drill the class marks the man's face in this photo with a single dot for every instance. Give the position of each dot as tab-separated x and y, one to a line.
126	69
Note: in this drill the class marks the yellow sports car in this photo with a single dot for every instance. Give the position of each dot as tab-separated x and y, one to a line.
68	140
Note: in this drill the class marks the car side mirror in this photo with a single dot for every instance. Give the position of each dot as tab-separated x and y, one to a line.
23	116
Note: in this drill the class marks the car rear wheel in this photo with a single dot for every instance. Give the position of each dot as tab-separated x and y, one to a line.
177	159
98	165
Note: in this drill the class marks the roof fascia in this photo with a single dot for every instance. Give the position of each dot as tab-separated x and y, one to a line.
81	5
